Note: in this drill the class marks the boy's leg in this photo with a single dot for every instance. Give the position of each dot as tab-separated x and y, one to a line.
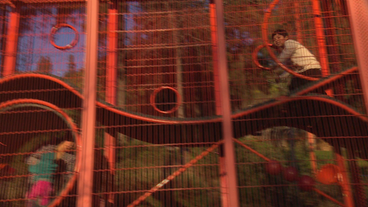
297	83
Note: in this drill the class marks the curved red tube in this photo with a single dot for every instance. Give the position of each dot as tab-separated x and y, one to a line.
42	104
68	46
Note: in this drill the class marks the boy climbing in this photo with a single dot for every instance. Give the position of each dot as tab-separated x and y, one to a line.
303	61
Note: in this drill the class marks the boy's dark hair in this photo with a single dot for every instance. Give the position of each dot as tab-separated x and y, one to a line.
281	32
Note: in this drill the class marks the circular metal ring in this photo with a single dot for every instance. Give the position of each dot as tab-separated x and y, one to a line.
255	58
156	91
18	103
68	46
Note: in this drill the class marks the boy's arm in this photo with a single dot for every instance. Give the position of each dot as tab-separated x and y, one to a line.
289	49
62	147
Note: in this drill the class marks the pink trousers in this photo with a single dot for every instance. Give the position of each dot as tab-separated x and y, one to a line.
39	192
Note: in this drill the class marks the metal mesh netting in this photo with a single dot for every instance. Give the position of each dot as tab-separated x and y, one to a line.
298	119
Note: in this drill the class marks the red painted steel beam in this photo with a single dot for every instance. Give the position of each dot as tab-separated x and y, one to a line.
327	81
175	174
111	83
268	160
328	197
89	106
299	36
214	57
232	196
358	16
321	42
65	87
11	43
216	82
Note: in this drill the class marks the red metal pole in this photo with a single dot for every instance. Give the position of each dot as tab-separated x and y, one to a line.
358	16
216	82
89	107
332	49
214	57
345	184
11	43
321	42
299	36
231	194
111	82
111	69
312	155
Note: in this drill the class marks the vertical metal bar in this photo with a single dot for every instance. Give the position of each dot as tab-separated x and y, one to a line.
320	37
332	48
11	43
85	183
345	185
344	182
216	82
111	69
312	155
230	176
358	16
299	36
355	175
111	82
214	57
111	76
321	42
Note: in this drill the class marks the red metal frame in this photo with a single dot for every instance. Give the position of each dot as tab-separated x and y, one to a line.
299	35
221	89
111	83
176	173
268	160
359	21
215	56
178	99
234	116
214	39
11	43
281	100
232	196
89	107
321	42
68	46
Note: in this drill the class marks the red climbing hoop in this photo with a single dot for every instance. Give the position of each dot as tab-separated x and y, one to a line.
156	91
12	104
268	45
68	46
255	58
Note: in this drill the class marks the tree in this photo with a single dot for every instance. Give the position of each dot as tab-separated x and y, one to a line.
44	65
71	64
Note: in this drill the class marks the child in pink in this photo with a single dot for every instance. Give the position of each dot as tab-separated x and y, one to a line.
43	171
